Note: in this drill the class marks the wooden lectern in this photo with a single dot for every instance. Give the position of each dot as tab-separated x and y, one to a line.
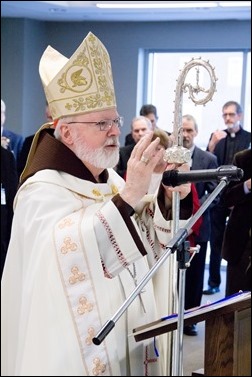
227	335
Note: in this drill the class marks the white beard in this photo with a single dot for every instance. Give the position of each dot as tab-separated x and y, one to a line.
100	157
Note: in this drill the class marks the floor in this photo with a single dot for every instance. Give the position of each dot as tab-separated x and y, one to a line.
193	346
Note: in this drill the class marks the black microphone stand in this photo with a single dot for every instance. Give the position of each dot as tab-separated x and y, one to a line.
177	243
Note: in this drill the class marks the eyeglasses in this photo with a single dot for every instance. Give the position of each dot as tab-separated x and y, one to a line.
106	124
229	115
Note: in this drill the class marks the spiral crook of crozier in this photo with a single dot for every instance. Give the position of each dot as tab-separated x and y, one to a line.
194	91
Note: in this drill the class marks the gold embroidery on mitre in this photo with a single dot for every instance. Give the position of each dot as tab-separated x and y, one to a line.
81	84
76	275
68	246
99	367
84	306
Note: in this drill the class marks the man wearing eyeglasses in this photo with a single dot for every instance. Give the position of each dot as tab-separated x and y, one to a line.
83	238
224	144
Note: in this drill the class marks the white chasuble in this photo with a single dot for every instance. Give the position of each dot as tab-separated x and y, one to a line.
71	272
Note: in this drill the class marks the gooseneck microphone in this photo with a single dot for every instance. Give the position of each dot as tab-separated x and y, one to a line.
175	177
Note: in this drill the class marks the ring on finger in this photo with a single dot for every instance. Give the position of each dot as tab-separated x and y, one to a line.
144	159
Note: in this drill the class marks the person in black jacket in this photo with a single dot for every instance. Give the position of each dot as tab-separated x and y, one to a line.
224	144
10	140
236	247
9	181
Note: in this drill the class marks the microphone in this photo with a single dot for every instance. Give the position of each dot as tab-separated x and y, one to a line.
175	178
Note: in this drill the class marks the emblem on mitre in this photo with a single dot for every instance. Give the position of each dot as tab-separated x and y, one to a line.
81	84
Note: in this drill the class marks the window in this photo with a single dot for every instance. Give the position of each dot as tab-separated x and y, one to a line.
247	99
232	70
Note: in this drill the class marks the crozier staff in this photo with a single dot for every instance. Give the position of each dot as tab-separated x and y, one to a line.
82	238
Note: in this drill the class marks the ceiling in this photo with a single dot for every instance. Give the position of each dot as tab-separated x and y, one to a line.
87	11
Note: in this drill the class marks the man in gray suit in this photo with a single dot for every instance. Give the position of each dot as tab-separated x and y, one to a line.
201	234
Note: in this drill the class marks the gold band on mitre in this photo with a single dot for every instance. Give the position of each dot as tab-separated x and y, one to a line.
81	84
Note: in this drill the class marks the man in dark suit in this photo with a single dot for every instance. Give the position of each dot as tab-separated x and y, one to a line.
224	144
236	247
148	111
139	127
9	181
195	273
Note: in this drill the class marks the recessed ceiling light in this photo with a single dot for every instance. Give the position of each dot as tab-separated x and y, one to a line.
235	3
